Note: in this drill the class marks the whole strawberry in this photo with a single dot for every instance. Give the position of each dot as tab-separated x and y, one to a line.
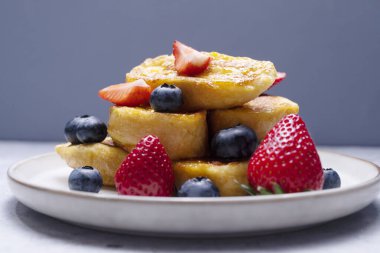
146	171
287	157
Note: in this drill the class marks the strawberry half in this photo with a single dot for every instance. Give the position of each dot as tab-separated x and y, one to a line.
188	61
287	157
280	76
146	171
127	94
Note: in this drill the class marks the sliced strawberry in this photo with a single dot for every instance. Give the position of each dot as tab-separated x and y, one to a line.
127	94
188	61
280	76
287	158
146	171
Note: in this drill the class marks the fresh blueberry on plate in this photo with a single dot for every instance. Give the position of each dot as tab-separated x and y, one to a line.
85	129
235	143
85	179
331	179
198	187
166	98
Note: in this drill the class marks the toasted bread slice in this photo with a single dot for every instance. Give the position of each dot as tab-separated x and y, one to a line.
226	176
260	114
103	156
184	136
227	82
107	159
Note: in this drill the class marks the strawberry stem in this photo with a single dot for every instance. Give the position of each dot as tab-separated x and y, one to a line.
263	191
277	188
247	188
260	190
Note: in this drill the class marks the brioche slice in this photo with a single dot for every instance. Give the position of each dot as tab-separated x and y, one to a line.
107	158
225	176
227	82
184	136
260	114
103	156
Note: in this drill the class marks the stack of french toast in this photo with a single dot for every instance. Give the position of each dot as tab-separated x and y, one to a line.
227	93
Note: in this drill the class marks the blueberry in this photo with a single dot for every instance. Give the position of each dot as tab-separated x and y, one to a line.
331	179
85	129
198	187
71	131
166	98
234	143
86	179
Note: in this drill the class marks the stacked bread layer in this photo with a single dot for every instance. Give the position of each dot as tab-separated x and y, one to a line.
184	136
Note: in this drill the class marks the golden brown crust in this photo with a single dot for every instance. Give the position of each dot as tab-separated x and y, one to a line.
260	114
228	81
184	136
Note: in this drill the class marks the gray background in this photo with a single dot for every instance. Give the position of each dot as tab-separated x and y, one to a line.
56	55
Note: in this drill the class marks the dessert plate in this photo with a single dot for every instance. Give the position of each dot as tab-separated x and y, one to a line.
41	184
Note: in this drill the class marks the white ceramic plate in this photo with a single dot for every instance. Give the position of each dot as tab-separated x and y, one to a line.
41	184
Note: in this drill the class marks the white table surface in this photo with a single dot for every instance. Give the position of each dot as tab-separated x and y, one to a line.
24	230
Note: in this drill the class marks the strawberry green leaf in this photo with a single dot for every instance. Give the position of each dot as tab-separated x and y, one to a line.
247	188
277	189
263	191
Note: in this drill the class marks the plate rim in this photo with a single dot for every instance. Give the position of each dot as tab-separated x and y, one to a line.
198	200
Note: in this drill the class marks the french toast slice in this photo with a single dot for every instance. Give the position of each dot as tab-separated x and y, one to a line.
103	156
226	176
184	136
260	114
107	159
227	82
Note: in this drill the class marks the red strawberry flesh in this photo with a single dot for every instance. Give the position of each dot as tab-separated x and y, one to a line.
188	61
127	94
146	171
280	77
287	157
